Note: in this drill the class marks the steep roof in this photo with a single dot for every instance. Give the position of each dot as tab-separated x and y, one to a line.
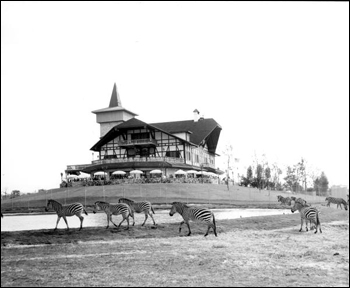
202	130
130	124
115	104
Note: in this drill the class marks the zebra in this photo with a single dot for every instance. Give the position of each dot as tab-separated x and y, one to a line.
66	211
139	207
300	200
337	201
307	213
193	214
284	201
114	209
305	204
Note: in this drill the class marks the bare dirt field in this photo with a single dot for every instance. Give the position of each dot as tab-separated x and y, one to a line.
255	251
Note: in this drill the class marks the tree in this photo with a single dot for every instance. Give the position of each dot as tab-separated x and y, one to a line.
323	184
15	193
228	153
267	176
259	176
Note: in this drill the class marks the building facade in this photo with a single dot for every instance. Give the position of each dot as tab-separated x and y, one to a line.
127	143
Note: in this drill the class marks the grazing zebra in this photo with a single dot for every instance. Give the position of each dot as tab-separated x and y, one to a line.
66	211
337	201
284	201
307	213
193	214
114	209
139	207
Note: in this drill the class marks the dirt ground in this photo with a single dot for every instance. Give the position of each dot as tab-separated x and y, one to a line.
255	251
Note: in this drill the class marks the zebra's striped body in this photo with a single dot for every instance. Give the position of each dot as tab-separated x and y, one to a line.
305	204
337	201
139	207
307	213
66	211
114	209
193	214
284	201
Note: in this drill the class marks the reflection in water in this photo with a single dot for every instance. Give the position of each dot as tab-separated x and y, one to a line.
37	222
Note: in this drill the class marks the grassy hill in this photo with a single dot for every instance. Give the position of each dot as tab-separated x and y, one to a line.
208	194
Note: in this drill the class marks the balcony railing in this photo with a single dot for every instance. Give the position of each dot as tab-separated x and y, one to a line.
141	159
137	142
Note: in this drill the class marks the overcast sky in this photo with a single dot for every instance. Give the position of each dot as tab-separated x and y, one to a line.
275	76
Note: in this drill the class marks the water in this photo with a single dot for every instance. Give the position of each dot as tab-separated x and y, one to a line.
48	221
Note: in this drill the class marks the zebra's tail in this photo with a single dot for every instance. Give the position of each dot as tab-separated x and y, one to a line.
85	211
214	225
152	210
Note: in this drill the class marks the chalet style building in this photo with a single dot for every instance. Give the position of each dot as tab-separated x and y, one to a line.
127	143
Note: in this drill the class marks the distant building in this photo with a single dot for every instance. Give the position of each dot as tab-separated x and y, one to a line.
339	191
127	143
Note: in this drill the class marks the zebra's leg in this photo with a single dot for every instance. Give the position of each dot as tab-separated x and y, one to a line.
146	216
81	221
58	220
189	229
206	234
133	217
65	220
127	220
301	225
150	214
306	225
108	217
181	225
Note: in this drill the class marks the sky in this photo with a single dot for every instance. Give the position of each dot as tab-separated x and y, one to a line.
274	75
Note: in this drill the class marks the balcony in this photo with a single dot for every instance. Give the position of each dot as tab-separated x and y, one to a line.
138	142
139	159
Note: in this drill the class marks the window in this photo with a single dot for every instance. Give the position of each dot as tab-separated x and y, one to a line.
137	136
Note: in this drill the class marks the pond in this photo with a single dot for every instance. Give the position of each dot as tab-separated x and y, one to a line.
48	221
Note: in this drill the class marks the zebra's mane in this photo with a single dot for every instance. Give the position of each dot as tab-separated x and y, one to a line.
126	199
181	203
51	200
102	202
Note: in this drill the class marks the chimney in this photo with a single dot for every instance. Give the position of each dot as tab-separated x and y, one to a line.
196	115
202	117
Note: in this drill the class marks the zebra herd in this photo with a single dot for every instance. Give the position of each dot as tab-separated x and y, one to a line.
309	213
127	208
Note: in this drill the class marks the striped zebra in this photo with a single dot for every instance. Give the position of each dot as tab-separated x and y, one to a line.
114	209
284	200
337	201
66	210
193	214
307	213
139	207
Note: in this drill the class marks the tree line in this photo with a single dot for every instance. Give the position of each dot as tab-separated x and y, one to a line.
297	178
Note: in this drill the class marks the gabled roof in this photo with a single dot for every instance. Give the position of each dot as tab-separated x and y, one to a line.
204	130
130	124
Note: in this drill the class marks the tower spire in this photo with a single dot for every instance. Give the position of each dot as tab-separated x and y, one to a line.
115	99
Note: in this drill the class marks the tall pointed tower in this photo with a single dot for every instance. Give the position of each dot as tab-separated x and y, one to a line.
114	115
